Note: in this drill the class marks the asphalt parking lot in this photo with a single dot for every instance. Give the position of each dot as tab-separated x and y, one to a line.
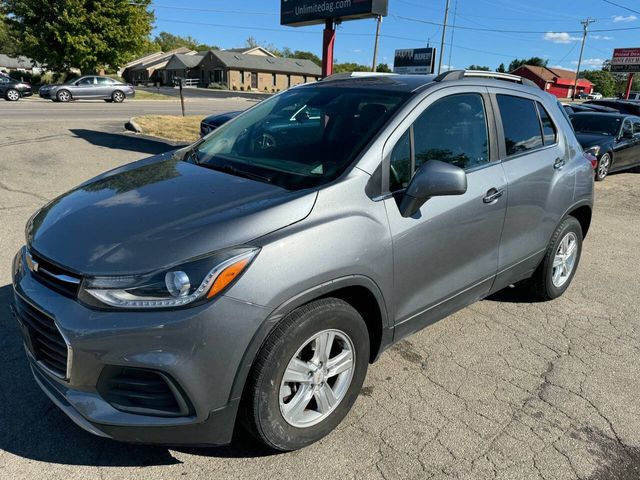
503	389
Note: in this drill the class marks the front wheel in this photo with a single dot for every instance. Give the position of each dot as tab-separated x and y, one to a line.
117	96
602	169
12	95
554	274
307	375
63	96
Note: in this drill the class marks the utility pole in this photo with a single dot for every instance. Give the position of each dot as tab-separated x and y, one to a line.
444	32
585	26
375	45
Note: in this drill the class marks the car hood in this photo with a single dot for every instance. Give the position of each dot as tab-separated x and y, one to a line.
158	212
592	139
220	118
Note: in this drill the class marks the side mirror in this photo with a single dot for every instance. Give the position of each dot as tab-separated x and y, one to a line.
433	179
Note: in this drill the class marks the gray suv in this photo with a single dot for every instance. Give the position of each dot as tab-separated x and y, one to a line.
254	275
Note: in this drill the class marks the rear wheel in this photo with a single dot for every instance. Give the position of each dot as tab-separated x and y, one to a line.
554	274
307	375
117	96
602	169
63	96
12	95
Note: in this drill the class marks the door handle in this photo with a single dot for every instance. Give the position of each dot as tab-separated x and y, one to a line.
559	163
492	195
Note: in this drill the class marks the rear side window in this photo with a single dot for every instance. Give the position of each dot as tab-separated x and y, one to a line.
105	81
549	131
521	125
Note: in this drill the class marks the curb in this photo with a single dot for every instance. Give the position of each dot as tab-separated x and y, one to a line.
132	126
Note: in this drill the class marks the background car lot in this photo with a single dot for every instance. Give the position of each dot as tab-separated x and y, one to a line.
501	389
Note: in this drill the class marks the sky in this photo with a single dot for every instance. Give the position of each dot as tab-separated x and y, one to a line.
549	29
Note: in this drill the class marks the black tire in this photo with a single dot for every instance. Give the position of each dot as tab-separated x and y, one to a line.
63	96
118	96
603	167
261	412
541	285
12	95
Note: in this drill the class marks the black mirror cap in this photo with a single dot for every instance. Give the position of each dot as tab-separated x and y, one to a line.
433	179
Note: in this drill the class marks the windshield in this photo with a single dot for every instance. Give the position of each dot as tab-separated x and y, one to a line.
597	123
302	138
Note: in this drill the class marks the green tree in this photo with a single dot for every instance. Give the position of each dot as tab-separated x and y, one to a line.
166	41
89	35
350	67
603	81
533	61
501	68
8	41
286	52
479	67
383	68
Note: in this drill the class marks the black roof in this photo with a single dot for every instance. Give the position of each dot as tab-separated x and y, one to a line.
400	83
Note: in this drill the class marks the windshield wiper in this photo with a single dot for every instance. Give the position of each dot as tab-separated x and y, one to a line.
226	168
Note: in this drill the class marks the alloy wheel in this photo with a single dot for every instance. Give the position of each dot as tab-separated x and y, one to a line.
13	95
118	97
603	165
564	259
317	378
64	96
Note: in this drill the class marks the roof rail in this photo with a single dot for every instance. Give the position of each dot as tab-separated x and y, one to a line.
460	74
344	75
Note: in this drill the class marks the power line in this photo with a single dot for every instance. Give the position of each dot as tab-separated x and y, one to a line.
496	30
621	6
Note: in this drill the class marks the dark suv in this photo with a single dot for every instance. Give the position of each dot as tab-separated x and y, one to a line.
13	90
256	273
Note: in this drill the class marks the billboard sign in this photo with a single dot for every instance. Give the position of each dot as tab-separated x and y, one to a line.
311	12
625	60
414	60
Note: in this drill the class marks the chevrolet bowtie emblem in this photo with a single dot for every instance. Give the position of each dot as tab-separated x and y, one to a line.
31	263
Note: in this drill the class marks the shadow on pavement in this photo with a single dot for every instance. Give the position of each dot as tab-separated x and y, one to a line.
512	294
121	141
32	427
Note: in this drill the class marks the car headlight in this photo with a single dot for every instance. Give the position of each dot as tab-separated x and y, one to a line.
189	283
595	150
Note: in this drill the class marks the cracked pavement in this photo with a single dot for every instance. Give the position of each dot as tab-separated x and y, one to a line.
503	389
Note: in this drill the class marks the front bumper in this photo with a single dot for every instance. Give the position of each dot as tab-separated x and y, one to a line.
45	94
200	348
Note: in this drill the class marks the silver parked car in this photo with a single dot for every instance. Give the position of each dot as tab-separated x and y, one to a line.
90	87
255	274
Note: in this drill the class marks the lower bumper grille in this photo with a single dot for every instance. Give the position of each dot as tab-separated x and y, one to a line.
142	391
43	338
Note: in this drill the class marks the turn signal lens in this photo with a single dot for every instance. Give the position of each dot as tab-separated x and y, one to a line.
227	276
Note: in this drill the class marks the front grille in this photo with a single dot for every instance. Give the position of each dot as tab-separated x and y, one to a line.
142	391
44	339
58	278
